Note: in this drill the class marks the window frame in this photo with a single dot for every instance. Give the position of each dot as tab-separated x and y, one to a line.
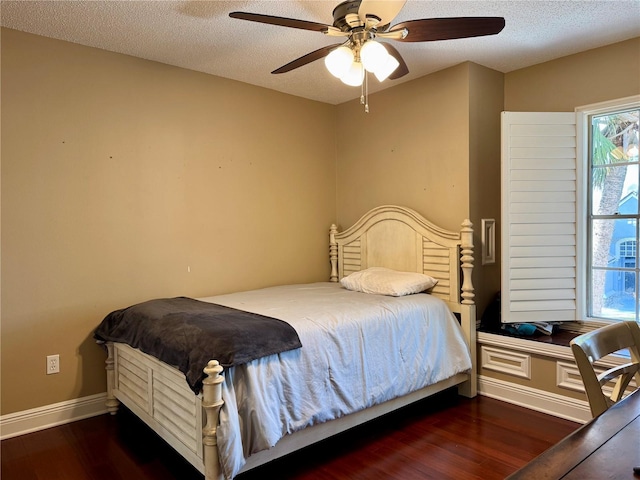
583	124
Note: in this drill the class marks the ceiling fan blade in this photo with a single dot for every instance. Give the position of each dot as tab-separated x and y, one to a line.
281	21
385	10
402	69
431	29
308	58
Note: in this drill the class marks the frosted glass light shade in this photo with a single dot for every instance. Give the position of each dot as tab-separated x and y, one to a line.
339	61
373	55
383	72
354	76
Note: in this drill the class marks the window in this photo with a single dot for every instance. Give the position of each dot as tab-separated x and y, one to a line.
612	213
570	215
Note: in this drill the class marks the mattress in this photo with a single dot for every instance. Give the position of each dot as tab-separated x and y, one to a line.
358	350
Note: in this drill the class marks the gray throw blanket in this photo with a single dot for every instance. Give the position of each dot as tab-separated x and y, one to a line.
187	333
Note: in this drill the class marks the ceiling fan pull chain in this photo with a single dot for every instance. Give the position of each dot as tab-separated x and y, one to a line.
366	92
364	95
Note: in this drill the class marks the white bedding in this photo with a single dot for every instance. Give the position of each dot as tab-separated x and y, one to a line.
357	350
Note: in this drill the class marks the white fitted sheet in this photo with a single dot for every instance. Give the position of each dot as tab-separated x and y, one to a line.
358	350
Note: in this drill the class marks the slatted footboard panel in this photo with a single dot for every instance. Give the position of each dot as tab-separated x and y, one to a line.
160	396
133	380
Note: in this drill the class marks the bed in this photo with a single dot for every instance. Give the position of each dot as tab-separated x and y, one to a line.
249	414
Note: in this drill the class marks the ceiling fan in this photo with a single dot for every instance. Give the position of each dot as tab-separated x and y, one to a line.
361	22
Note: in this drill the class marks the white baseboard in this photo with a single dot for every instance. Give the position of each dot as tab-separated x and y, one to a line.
28	421
539	400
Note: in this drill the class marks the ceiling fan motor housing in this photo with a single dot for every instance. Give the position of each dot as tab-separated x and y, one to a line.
341	11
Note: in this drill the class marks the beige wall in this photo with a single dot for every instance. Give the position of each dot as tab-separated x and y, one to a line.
486	89
411	150
589	77
124	180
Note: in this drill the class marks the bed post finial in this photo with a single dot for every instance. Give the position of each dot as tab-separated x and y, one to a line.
333	253
466	258
211	403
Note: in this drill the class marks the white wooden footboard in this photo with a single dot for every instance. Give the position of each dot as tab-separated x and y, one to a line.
160	396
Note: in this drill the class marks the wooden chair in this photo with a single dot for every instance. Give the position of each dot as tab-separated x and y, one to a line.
592	346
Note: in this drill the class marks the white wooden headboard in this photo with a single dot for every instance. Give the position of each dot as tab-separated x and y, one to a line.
400	238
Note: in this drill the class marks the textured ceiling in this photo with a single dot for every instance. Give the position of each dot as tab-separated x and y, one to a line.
199	35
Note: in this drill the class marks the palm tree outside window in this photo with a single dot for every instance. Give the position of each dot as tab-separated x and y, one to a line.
613	215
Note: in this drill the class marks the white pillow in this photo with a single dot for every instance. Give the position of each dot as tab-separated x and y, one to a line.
384	281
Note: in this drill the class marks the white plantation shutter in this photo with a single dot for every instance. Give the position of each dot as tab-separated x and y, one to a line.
539	255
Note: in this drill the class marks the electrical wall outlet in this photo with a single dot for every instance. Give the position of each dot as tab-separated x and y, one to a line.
53	364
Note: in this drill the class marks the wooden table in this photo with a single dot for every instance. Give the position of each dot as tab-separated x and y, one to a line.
606	447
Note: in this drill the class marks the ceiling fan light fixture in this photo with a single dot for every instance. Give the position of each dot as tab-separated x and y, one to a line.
373	55
339	61
354	76
383	72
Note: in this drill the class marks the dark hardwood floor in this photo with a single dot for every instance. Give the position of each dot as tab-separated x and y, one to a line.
446	437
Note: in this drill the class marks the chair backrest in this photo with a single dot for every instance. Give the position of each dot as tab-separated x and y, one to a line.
591	347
